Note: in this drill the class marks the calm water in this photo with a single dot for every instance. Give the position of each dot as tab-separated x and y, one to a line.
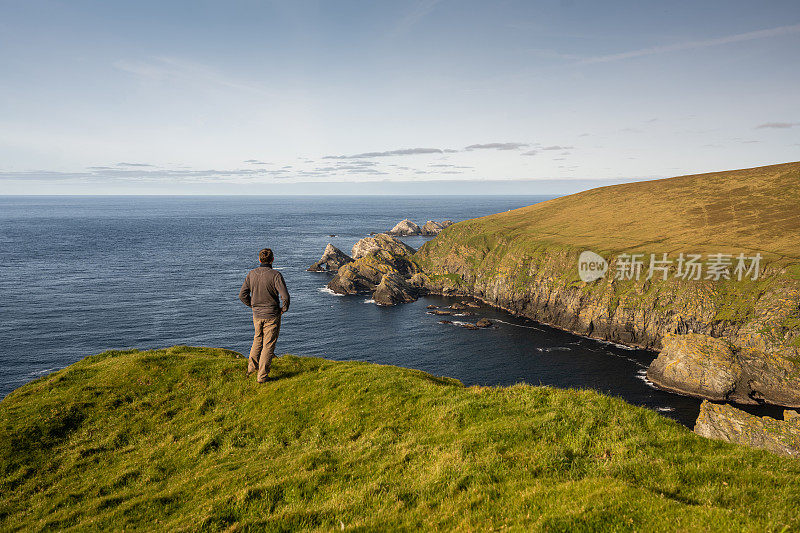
81	275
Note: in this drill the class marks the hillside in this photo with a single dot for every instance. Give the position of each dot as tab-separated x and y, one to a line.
178	439
526	261
749	210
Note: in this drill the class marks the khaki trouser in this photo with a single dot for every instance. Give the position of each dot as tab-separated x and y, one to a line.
263	349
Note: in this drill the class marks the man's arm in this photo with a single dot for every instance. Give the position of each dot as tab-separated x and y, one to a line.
244	292
280	285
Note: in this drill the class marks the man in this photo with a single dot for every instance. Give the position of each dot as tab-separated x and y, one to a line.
260	290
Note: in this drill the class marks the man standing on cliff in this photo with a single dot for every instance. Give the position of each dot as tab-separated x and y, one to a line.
260	290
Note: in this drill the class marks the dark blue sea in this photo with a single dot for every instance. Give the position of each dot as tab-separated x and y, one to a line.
81	275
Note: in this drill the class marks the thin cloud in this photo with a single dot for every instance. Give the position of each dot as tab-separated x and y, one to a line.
419	11
133	165
532	152
777	125
547	53
369	171
352	167
255	162
130	174
161	69
693	45
406	151
496	146
557	147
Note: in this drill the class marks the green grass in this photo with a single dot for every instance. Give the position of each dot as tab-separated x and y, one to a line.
179	439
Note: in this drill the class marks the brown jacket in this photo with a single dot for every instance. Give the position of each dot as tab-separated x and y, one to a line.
261	289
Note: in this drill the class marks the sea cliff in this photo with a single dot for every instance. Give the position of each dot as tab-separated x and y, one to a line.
727	338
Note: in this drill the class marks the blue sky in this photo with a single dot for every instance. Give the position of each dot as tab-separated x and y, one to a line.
421	96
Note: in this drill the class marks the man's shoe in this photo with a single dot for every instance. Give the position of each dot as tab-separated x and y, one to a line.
250	372
266	380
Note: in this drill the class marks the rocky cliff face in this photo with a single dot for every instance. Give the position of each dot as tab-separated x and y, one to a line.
724	422
726	369
727	339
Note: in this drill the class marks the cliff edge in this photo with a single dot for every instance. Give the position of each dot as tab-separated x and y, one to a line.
179	439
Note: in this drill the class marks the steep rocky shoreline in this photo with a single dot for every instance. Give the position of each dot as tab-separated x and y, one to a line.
695	364
721	340
752	328
729	337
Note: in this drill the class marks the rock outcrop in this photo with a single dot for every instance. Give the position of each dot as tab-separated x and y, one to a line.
714	368
697	365
432	227
380	241
724	422
331	261
394	289
383	266
365	273
405	228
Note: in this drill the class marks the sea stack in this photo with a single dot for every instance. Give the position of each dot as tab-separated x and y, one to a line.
331	261
405	228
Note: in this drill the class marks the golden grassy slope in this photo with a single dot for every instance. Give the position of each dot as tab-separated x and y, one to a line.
749	210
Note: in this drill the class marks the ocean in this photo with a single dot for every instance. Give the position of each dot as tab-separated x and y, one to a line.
81	275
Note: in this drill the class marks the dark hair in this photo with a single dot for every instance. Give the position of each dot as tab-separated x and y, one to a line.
266	256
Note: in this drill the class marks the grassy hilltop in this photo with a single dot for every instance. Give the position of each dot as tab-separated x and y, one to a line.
178	439
750	210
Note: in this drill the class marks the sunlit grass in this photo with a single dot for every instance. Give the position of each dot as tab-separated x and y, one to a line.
179	439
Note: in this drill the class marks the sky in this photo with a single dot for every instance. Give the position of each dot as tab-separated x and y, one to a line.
414	97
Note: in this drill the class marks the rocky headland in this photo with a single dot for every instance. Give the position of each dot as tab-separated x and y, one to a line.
380	265
720	339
